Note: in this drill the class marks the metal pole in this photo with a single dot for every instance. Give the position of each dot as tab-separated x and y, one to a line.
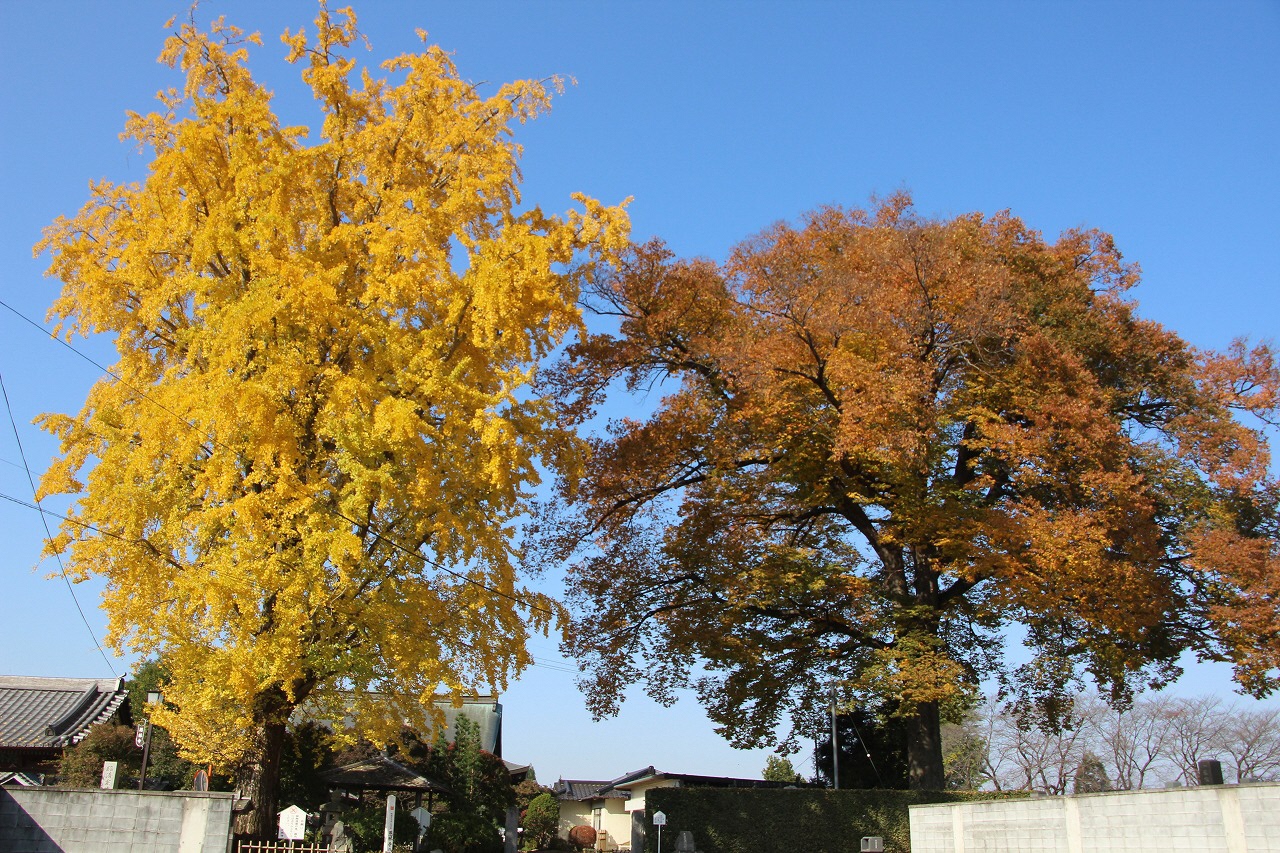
154	697
146	750
835	744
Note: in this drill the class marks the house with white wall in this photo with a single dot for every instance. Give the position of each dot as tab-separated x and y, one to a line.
617	806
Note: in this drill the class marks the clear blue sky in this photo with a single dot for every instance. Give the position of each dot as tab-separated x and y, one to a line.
1156	121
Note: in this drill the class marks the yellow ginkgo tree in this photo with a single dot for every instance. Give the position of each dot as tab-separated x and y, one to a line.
299	482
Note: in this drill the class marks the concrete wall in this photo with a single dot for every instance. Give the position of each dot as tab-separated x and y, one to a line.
65	820
1209	819
573	813
614	819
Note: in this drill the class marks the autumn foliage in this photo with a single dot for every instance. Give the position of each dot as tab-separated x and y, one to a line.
883	440
299	480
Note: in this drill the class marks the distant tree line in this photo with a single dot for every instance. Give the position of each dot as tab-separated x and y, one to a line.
1157	742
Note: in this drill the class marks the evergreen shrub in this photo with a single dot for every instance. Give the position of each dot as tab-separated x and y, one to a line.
746	820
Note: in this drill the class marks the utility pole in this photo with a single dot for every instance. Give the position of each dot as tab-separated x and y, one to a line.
835	743
153	698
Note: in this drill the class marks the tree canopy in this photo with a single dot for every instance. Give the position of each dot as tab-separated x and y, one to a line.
300	478
882	441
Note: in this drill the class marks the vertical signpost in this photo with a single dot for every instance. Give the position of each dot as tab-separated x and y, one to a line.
292	825
389	828
423	817
108	774
659	820
143	736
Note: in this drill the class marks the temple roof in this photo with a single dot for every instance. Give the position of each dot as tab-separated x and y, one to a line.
380	773
43	713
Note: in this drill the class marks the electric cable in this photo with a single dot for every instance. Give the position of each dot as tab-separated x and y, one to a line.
330	510
542	663
35	494
865	749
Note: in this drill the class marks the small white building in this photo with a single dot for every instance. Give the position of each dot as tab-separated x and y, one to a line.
618	806
585	802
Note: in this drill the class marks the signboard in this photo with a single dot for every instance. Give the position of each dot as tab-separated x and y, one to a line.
389	828
422	816
659	819
108	774
292	824
140	736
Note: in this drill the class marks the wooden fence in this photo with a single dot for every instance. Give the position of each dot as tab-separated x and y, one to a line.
275	846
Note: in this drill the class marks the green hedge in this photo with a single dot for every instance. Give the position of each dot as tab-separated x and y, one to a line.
812	820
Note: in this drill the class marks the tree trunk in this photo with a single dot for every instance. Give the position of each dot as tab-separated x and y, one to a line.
260	782
924	749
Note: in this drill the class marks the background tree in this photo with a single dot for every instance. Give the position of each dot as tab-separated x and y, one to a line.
167	769
1136	739
1157	741
480	789
1197	729
308	751
541	821
964	756
302	471
1091	776
527	790
884	439
872	750
1252	740
777	768
81	765
366	822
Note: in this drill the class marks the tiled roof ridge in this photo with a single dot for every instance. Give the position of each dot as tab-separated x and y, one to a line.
105	713
40	682
586	789
53	713
631	777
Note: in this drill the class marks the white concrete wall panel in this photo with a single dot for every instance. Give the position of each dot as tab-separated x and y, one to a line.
1218	819
63	820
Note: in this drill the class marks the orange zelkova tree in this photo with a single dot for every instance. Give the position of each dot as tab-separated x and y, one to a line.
884	440
300	481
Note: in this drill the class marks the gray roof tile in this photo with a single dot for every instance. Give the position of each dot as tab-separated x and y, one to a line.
53	712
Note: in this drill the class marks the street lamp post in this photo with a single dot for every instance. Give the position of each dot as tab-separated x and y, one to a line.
154	697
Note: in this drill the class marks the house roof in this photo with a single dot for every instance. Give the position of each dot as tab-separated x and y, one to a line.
618	787
44	713
583	789
381	773
19	780
517	769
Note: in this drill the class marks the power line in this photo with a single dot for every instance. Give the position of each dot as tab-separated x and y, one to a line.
45	522
541	663
67	519
328	509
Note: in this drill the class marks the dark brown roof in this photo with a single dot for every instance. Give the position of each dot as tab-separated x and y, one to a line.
618	787
582	789
380	773
43	713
